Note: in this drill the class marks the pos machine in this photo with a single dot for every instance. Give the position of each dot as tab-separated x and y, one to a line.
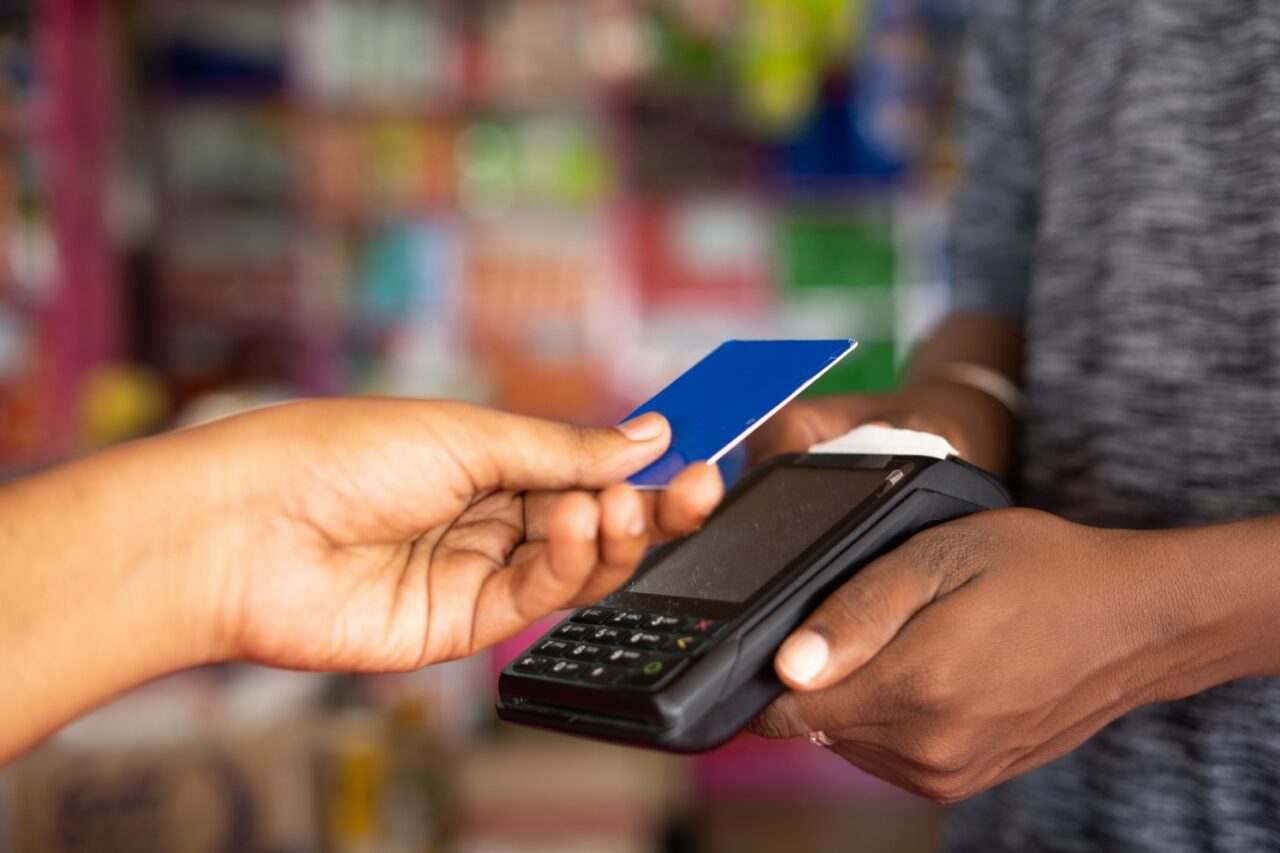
681	657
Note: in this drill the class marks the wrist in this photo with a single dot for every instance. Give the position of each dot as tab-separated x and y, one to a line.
977	424
1210	614
196	560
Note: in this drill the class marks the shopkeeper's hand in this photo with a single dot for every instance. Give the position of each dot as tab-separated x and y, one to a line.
931	399
978	426
345	534
987	646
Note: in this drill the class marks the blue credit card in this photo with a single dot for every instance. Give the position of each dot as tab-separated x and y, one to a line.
719	401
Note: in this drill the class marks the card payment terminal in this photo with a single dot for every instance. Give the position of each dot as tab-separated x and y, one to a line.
681	657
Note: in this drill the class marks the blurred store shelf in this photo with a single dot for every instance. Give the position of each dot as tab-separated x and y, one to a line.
552	206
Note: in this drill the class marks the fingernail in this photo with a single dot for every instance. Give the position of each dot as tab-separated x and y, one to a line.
647	427
803	656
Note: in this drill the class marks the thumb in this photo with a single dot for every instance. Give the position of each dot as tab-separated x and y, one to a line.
514	452
867	612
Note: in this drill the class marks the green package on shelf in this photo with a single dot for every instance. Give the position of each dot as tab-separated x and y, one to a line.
836	249
871	369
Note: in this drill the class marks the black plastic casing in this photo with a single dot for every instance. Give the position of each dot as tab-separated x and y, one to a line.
731	679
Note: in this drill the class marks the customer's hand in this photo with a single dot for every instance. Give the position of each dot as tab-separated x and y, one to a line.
346	534
390	534
988	646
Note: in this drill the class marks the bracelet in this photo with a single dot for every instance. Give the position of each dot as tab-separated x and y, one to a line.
993	383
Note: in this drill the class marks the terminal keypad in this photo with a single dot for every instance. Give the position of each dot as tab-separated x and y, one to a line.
608	646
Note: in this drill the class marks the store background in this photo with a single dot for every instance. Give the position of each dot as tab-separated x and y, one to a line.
551	206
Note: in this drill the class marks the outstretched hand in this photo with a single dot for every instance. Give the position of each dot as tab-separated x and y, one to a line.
390	534
367	535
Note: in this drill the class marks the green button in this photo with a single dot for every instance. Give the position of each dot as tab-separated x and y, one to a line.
653	667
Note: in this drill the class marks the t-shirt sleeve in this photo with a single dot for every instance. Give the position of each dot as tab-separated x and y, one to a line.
993	221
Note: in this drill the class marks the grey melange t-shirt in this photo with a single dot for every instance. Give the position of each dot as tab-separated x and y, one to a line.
1122	197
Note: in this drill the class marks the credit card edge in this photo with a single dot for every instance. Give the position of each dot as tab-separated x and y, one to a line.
853	344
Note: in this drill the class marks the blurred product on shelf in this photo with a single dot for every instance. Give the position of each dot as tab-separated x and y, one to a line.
118	402
542	303
28	264
246	758
534	792
391	56
301	150
435	197
786	49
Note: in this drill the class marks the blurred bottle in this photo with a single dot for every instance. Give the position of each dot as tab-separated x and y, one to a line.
888	106
417	793
118	402
354	771
785	47
384	778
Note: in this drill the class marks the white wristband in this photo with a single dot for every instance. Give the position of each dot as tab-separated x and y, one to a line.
993	383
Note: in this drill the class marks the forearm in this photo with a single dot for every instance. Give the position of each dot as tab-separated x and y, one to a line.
987	340
96	585
1216	601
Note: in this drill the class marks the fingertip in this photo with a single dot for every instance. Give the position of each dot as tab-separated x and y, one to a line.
601	456
802	660
650	426
708	486
623	530
622	512
692	496
575	517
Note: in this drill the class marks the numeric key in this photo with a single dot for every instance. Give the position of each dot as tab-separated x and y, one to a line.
658	622
572	632
645	640
624	657
627	620
608	636
585	651
567	669
531	664
592	615
601	674
555	648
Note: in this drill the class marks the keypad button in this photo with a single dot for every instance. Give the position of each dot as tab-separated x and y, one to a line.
592	615
684	643
564	669
701	626
624	657
663	623
554	648
652	671
601	674
645	640
625	619
531	663
572	632
607	636
585	651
